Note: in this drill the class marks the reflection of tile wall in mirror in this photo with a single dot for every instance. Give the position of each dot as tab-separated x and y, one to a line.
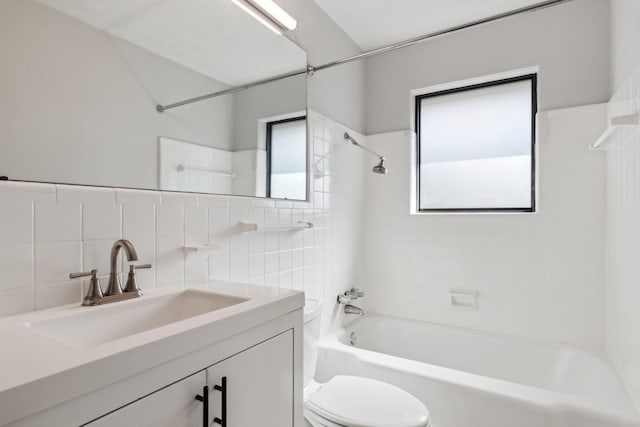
78	103
195	168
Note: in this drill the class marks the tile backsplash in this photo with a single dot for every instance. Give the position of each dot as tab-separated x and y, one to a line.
49	230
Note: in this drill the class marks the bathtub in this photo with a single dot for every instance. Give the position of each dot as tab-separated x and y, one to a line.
474	379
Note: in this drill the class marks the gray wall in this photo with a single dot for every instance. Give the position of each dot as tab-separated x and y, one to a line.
625	34
570	43
274	99
337	93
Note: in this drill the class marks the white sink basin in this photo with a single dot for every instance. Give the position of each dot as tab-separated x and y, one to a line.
102	324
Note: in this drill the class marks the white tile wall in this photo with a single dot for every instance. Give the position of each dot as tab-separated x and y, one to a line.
16	223
16	263
48	231
101	221
623	239
538	275
138	220
58	222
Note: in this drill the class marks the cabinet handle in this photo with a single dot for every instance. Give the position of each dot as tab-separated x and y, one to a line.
223	389
205	405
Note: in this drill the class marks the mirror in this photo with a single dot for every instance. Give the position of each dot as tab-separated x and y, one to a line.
81	79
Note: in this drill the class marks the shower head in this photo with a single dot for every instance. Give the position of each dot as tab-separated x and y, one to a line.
379	168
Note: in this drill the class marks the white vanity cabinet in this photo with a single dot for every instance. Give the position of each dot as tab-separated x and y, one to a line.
257	390
258	387
173	406
167	376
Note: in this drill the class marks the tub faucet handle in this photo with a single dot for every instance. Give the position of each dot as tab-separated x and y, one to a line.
356	293
344	298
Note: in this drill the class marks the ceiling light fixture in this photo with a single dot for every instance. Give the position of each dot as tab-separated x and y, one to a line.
269	14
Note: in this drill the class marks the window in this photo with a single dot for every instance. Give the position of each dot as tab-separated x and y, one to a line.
476	147
287	158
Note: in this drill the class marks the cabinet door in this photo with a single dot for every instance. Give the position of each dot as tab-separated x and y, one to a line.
172	406
259	385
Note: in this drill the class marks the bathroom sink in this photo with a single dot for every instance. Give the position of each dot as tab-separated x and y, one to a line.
90	326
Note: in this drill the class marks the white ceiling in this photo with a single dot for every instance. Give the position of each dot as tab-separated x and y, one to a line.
213	37
376	23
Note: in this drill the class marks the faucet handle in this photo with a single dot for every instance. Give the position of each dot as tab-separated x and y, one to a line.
356	293
140	266
83	274
344	298
94	294
132	284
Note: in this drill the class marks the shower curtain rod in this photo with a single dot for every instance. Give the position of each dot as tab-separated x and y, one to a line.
310	70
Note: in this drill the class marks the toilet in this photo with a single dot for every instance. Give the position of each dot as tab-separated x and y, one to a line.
351	401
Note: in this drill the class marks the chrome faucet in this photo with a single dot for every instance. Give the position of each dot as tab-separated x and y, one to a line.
347	297
114	281
114	292
352	309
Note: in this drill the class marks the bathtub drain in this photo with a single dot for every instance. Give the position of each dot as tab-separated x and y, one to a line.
352	338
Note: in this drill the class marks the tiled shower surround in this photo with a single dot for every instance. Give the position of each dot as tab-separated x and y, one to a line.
623	238
48	231
537	275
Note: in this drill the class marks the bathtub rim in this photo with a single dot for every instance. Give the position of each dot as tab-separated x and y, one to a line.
551	400
597	352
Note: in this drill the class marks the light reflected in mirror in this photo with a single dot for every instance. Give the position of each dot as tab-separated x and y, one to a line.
81	79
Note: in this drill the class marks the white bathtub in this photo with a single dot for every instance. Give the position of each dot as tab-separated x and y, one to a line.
474	379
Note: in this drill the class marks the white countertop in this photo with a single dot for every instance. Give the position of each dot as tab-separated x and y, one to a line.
33	364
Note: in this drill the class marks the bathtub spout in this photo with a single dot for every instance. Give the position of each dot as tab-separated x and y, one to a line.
352	309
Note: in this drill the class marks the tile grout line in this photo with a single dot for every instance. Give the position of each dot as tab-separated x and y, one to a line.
33	254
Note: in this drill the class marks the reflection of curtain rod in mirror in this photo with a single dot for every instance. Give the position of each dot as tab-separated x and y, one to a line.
182	168
268	14
406	43
163	108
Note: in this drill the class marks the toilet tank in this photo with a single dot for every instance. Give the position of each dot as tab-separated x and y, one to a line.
311	336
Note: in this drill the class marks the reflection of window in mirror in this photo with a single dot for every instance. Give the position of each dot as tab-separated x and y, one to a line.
287	158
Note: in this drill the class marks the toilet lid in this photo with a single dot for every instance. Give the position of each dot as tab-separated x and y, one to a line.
363	402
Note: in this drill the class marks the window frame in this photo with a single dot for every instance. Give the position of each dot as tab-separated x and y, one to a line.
269	133
533	78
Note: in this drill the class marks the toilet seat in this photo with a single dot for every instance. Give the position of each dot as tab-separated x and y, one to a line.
363	402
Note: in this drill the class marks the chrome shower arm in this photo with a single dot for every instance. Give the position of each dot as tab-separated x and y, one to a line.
368	150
